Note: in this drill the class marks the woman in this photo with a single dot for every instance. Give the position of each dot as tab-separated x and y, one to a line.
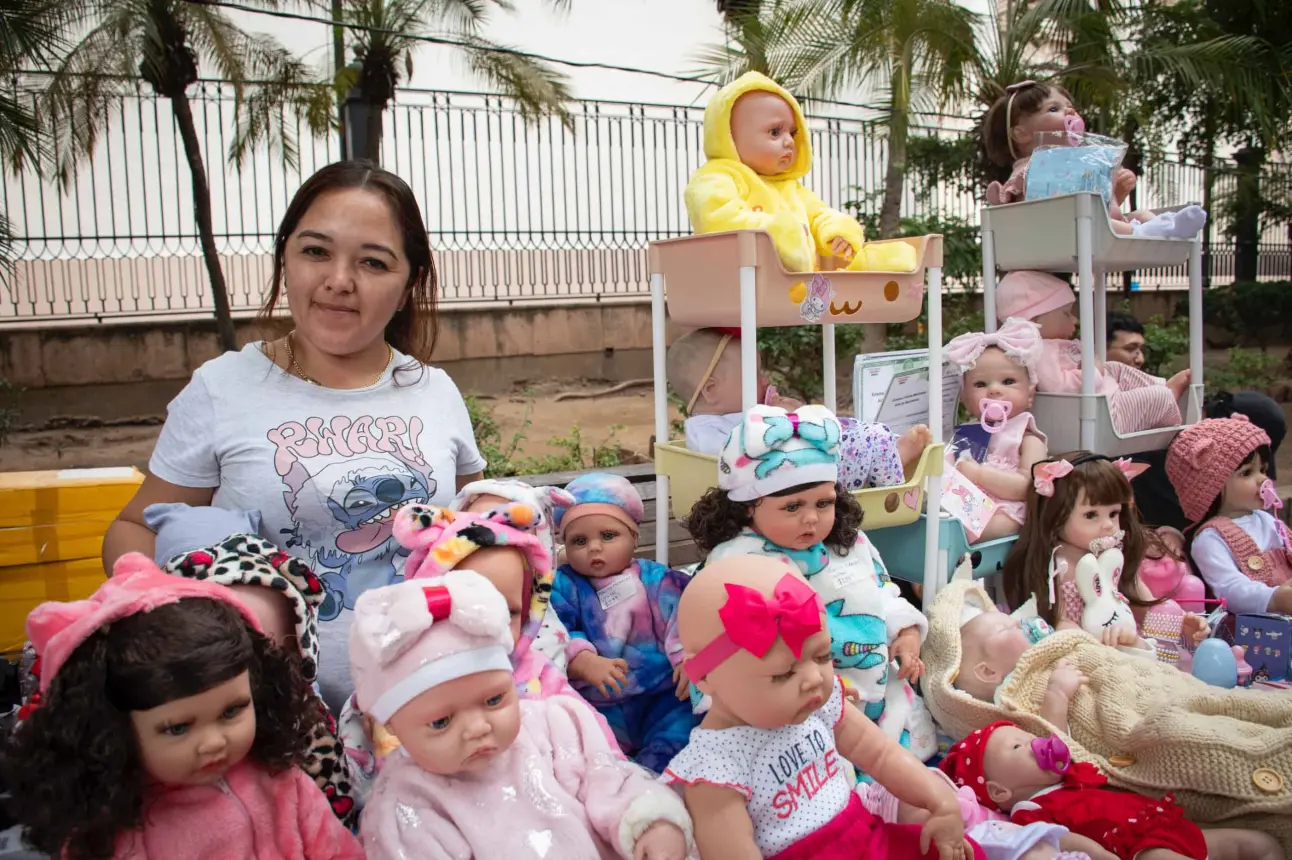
328	431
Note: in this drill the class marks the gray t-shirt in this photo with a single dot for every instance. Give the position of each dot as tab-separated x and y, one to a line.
327	469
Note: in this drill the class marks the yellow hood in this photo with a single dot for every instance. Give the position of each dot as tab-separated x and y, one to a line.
718	142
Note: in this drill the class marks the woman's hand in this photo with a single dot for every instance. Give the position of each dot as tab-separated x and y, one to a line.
608	676
683	683
906	651
663	840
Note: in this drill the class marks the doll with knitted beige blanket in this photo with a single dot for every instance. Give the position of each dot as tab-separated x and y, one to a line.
757	145
1140	721
1079	552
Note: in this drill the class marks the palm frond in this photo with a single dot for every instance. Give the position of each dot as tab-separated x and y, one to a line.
285	95
537	89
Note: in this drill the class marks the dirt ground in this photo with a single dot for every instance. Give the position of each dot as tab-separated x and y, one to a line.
633	409
131	444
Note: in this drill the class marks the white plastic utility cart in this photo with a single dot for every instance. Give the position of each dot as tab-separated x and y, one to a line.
1073	233
737	278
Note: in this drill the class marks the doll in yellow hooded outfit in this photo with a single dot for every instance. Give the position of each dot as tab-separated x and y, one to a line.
757	145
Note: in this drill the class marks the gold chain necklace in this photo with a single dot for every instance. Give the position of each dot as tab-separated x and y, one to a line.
296	367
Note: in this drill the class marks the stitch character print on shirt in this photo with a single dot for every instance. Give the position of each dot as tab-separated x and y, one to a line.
344	482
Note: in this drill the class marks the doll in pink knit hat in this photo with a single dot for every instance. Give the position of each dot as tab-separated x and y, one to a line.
1218	466
481	772
998	373
1137	401
166	725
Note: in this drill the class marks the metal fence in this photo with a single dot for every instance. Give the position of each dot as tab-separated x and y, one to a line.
517	212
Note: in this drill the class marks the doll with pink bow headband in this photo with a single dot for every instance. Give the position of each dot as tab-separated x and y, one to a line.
997	386
167	725
1081	505
762	775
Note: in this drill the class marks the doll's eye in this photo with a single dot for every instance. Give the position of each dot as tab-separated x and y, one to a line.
495	701
233	710
579	541
783	677
441	724
176	730
607	537
1009	380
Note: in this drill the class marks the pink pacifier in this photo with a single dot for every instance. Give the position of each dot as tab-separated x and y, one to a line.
1051	754
994	414
1076	127
1269	496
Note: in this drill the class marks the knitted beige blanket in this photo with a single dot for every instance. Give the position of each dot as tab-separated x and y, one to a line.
1147	725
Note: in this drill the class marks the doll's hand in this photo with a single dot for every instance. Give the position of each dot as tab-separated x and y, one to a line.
1119	634
1124	182
683	683
1065	680
851	694
1281	600
661	841
608	676
945	830
789	404
1194	628
970	468
841	247
906	651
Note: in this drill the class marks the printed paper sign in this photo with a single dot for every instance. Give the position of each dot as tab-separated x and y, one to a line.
893	388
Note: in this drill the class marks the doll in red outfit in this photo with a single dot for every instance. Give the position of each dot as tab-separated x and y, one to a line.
1034	779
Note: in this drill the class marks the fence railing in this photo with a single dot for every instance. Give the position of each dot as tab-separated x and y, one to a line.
517	212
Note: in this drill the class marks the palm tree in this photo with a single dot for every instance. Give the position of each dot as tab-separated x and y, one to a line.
29	33
915	52
163	42
387	32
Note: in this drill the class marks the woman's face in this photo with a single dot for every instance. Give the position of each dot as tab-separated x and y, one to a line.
344	271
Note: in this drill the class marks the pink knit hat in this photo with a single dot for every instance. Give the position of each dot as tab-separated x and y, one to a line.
137	585
408	638
1027	295
1204	455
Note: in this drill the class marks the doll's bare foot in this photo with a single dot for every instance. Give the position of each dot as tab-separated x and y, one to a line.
910	445
1122	228
1179	383
1232	844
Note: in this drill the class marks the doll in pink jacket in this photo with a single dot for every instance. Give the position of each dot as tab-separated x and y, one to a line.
482	773
1136	400
166	725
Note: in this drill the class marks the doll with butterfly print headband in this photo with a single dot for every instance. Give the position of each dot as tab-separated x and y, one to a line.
762	776
1011	132
1081	540
779	495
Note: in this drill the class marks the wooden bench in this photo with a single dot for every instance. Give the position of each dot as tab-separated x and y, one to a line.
681	548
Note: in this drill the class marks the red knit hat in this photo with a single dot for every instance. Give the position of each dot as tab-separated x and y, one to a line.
963	762
1203	456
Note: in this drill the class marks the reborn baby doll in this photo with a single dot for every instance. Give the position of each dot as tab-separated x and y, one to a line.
480	772
621	612
757	145
1035	780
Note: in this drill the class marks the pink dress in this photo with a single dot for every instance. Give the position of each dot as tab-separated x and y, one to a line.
559	790
1003	452
799	797
1136	400
249	814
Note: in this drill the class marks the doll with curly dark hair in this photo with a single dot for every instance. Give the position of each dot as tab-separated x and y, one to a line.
779	495
166	725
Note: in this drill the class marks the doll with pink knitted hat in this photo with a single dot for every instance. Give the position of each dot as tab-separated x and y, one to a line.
431	660
1244	554
997	386
167	725
1034	779
1136	400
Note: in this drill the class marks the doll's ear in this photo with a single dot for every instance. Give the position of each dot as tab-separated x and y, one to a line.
999	794
985	674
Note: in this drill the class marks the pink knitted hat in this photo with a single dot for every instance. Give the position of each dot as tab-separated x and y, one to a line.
408	638
137	585
1204	455
1027	295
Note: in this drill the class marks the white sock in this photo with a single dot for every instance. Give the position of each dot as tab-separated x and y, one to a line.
1184	224
1189	220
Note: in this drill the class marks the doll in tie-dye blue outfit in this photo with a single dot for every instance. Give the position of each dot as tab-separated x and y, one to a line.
621	614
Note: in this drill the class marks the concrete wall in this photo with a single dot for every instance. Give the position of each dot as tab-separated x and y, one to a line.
116	371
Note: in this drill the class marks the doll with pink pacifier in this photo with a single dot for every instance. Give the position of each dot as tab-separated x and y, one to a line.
998	383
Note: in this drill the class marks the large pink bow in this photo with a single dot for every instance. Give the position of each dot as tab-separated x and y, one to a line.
1018	338
1045	474
752	622
1130	469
